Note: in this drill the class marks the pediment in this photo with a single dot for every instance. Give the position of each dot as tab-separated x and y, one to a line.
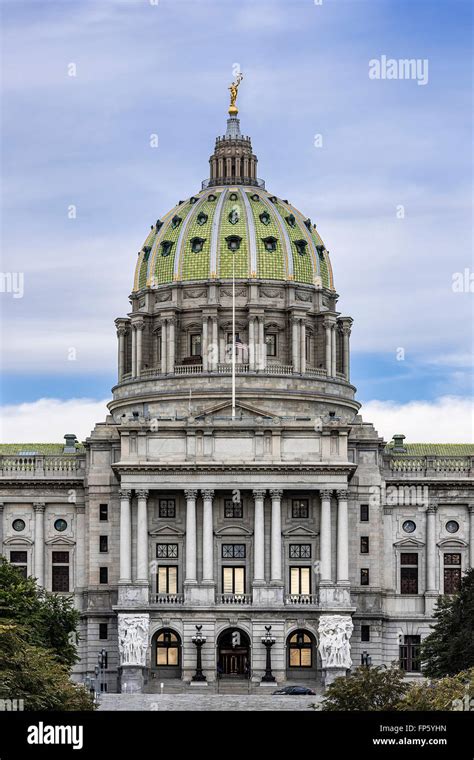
240	408
409	543
166	530
233	530
60	540
300	530
452	543
18	541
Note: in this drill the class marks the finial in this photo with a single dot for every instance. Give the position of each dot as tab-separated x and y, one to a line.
233	110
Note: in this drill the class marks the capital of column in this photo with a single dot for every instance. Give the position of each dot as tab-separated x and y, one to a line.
171	320
342	494
325	494
328	322
39	506
207	493
190	493
125	493
259	493
142	493
346	329
121	331
470	508
432	509
276	493
138	324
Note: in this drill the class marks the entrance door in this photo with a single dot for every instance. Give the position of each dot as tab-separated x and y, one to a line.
233	654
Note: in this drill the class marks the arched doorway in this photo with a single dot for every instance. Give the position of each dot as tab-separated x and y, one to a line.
233	654
301	657
166	654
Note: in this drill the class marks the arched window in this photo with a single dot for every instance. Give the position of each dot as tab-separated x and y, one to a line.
167	649
300	648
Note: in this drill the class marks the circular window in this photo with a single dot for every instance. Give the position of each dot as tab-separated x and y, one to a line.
452	526
18	525
409	526
60	525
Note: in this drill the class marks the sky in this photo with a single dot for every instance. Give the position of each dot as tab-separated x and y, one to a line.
382	165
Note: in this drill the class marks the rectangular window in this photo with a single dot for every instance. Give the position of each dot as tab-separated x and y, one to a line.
103	544
364	513
365	633
452	573
300	580
300	551
20	560
233	509
300	508
196	344
364	544
103	512
158	348
167	508
410	654
271	343
167	580
308	348
408	573
60	572
103	631
167	551
233	580
364	576
103	574
233	551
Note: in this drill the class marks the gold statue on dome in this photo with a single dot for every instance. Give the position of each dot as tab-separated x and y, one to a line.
233	110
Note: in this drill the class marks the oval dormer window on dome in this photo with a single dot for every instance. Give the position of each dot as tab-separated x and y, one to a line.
166	247
308	223
158	225
265	218
255	197
146	251
273	198
197	244
201	218
176	221
193	199
233	242
233	196
301	246
212	197
234	215
320	249
270	243
291	221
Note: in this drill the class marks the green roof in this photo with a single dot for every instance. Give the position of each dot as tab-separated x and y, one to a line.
434	449
27	449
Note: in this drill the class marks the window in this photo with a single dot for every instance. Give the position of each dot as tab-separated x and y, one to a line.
20	560
271	344
301	246
364	576
300	580
365	633
18	525
409	573
103	574
176	221
364	544
195	345
103	544
167	580
270	243
410	654
233	509
300	508
233	551
103	631
291	221
60	571
201	218
169	551
300	551
60	525
452	526
103	512
197	244
233	580
166	247
265	218
167	650
364	513
233	242
300	650
452	573
307	348
409	526
167	508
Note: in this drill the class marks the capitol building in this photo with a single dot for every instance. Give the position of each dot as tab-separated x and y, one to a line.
234	517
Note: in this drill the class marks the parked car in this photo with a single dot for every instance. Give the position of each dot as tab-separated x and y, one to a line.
294	690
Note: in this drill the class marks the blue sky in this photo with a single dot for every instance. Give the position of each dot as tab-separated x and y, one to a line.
144	68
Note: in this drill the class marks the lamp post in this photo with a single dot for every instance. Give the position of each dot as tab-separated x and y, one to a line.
366	659
268	641
198	640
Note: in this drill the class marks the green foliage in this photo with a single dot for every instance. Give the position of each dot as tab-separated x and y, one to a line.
33	674
374	689
449	649
438	694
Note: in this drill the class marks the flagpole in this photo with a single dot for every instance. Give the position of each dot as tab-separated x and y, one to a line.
233	336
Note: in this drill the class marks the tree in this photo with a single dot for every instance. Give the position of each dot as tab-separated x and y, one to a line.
449	649
376	688
439	694
48	620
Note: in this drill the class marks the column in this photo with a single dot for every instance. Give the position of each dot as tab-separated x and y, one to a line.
125	537
262	348
1	527
276	535
252	343
294	343
346	332
164	347
302	347
237	167
325	536
142	536
327	325
39	508
134	351
431	548
171	344
259	537
191	575
139	327
80	548
333	350
205	351
342	537
207	537
121	350
215	343
471	535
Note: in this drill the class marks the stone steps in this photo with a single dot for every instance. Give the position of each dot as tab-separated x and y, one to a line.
205	701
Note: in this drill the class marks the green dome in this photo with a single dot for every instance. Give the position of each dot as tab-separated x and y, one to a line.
265	236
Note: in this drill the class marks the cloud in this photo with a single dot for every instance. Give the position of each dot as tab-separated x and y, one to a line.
48	419
448	419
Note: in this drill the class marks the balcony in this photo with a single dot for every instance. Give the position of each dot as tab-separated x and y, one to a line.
301	600
40	466
428	466
241	599
226	369
168	599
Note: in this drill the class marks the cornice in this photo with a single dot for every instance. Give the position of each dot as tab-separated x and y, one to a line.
229	468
